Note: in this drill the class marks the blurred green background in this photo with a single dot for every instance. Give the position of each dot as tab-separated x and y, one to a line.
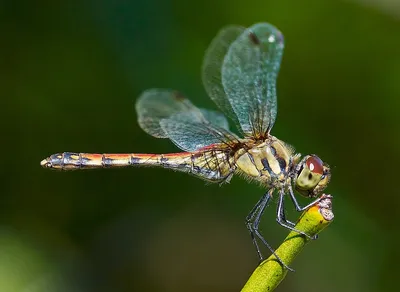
70	73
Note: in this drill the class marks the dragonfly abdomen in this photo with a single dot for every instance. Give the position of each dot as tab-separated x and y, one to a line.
198	164
72	160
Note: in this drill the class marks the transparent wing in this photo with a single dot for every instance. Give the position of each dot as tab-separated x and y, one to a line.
191	132
153	105
248	75
211	69
165	113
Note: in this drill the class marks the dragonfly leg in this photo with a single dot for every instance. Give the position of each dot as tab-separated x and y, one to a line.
253	221
301	209
250	220
249	223
297	205
283	215
281	219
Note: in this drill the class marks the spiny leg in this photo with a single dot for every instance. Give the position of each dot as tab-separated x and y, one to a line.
283	214
250	219
280	217
301	209
297	205
253	221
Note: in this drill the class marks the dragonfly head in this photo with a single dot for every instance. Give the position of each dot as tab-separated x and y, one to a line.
311	176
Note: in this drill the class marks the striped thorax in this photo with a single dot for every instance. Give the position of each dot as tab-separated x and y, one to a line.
269	162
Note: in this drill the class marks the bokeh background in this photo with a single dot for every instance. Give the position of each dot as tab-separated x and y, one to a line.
69	76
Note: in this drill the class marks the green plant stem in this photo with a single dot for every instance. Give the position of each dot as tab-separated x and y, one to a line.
270	272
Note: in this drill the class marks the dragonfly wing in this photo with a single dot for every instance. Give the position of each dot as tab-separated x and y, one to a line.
215	118
156	104
248	75
191	131
165	113
211	69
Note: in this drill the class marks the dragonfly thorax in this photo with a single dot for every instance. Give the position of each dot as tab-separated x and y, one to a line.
269	162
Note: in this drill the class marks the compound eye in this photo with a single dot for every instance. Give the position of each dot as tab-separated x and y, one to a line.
315	164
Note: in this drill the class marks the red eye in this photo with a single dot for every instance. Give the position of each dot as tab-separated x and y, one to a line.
315	164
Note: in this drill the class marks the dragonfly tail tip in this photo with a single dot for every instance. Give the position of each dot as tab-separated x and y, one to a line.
45	163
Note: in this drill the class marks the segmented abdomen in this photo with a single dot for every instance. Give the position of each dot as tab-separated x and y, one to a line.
209	165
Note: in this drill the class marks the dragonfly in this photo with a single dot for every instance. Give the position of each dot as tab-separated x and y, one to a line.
239	73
